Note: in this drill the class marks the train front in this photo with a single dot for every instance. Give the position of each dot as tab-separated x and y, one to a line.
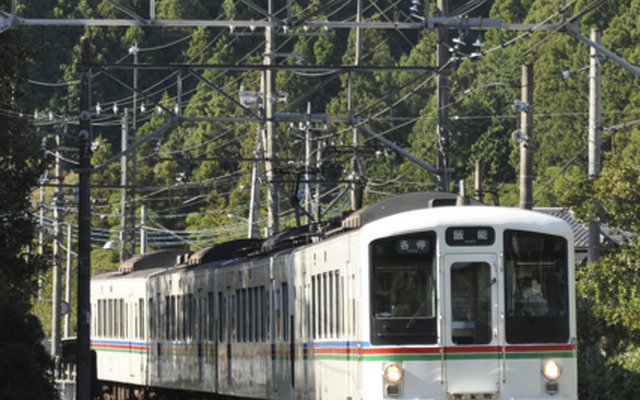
479	305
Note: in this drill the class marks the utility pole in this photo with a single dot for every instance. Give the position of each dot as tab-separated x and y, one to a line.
526	146
356	172
67	286
143	229
253	231
593	249
307	167
124	180
273	203
83	351
57	270
444	136
479	192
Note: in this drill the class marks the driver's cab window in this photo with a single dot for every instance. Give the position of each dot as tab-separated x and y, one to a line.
471	303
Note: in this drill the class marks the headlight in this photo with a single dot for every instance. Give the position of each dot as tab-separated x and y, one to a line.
551	370
393	373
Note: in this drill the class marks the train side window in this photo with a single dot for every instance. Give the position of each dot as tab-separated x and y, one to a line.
186	317
256	313
339	313
177	314
325	306
167	317
239	316
320	309
267	314
115	319
106	318
109	317
192	320
174	319
112	318
136	324
251	312
260	313
263	313
285	312
277	323
141	317
152	319
100	318
314	332
222	315
183	314
158	315
332	311
98	326
210	317
124	318
233	318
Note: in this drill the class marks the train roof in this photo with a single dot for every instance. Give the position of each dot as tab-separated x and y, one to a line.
515	218
450	209
155	259
404	202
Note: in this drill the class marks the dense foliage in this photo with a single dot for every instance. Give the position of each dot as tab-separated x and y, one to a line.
25	366
191	177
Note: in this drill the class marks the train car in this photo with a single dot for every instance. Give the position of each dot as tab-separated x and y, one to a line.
119	321
414	297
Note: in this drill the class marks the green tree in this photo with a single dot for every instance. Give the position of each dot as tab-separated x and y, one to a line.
25	367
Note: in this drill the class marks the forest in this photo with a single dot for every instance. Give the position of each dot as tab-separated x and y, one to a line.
195	180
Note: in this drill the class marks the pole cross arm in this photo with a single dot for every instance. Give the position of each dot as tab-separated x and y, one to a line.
573	31
130	13
6	20
173	122
358	124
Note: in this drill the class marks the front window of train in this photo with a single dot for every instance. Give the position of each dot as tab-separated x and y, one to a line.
403	289
536	288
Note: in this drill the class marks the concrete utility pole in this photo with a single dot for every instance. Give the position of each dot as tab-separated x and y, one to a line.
308	150
83	351
444	136
273	203
526	146
253	231
67	286
57	261
479	193
357	187
124	180
595	128
143	229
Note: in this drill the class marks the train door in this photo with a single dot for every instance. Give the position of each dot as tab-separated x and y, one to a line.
471	326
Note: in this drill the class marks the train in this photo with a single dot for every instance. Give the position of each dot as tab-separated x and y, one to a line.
425	295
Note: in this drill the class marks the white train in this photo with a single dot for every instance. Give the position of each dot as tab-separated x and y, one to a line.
411	298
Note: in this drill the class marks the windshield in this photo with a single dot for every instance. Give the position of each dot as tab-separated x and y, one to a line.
403	289
536	287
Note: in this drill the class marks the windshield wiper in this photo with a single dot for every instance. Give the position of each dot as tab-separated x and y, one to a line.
491	282
414	318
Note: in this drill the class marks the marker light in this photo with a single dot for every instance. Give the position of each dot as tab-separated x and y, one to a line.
551	370
393	373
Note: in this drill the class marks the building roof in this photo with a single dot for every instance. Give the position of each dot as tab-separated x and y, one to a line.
580	230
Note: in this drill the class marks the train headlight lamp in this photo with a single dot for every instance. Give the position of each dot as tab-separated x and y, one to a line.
551	370
393	373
